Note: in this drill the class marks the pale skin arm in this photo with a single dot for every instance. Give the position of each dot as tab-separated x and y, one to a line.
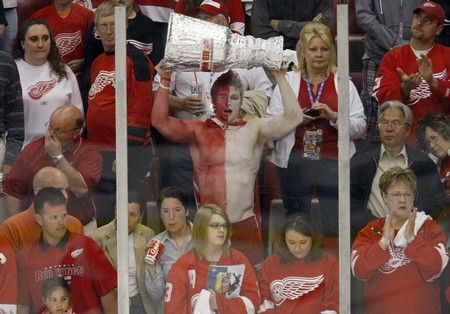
409	82
279	126
193	104
109	302
76	65
76	182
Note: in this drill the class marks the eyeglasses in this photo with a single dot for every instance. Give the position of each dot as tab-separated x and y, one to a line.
217	226
395	125
422	18
58	131
398	195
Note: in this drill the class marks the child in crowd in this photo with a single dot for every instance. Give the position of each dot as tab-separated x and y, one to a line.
56	296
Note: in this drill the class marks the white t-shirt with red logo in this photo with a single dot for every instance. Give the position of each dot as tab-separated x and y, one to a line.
42	93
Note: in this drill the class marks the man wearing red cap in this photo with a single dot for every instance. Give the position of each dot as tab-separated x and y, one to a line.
417	74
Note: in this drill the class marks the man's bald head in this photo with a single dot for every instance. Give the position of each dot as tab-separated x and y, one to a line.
69	115
50	177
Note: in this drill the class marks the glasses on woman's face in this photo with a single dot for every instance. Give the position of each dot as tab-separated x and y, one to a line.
399	195
218	226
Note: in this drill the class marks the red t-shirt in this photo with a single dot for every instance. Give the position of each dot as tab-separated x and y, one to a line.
82	156
78	260
299	286
329	96
70	32
8	275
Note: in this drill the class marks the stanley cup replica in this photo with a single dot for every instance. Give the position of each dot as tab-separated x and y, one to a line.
196	45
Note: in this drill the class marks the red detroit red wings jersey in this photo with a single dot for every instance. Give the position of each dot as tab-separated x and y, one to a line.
70	32
299	286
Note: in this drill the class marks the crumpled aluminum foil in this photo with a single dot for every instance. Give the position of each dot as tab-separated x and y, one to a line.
196	45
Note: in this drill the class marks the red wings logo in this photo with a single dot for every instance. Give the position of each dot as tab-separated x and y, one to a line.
41	88
103	79
67	42
293	287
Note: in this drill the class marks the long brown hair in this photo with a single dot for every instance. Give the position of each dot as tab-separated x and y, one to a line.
57	65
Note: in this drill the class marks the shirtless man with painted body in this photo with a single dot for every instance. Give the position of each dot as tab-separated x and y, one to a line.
226	151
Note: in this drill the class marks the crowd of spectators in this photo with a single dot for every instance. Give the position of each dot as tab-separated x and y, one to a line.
211	136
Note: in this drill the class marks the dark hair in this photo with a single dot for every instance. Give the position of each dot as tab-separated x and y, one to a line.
438	122
51	284
135	196
228	78
57	65
48	195
302	224
172	192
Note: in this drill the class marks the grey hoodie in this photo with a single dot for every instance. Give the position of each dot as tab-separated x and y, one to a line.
387	23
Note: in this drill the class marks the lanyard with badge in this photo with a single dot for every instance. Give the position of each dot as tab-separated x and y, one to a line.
312	138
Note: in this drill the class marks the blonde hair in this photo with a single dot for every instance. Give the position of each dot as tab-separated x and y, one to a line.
308	32
395	175
106	8
200	226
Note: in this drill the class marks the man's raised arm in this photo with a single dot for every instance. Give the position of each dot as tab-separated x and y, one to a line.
281	125
171	128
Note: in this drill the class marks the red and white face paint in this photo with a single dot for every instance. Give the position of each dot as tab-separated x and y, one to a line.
227	102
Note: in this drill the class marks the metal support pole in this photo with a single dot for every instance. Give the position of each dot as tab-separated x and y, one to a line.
344	159
121	159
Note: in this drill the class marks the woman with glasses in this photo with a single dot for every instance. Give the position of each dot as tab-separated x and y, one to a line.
47	82
299	277
400	257
307	157
212	277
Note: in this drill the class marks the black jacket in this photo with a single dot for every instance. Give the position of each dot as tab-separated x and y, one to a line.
363	166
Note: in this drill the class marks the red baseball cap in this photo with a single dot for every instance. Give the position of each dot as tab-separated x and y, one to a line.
213	7
432	10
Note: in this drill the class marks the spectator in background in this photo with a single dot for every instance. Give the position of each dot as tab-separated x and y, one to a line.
400	257
93	279
193	286
64	148
387	24
417	73
307	157
47	83
309	275
287	18
138	236
101	123
176	239
69	23
10	11
8	278
233	8
11	108
367	166
21	230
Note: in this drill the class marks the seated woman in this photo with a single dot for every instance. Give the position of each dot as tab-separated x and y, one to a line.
401	256
138	236
299	277
212	276
176	240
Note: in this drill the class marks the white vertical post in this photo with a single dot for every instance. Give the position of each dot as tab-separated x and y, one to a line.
344	159
121	159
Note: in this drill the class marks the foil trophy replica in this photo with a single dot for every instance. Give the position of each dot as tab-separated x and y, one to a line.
196	45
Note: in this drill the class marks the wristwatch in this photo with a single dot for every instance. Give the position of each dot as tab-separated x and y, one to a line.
57	158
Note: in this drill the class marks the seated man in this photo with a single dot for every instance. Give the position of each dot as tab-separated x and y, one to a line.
226	151
64	148
74	257
366	167
21	229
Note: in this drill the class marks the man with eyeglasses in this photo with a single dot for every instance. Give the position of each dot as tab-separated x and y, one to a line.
367	166
418	73
65	149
